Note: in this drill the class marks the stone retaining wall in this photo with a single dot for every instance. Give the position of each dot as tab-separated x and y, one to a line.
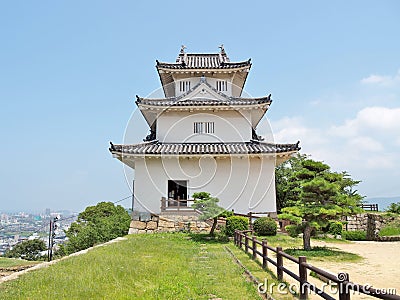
372	224
169	223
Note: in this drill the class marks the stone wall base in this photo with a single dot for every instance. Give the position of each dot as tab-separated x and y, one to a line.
372	224
169	223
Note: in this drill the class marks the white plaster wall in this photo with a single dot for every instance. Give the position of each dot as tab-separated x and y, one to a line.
229	126
212	80
243	184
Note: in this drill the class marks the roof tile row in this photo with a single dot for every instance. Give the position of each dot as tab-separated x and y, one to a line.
158	148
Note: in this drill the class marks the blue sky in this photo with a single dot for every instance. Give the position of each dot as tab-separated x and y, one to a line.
70	70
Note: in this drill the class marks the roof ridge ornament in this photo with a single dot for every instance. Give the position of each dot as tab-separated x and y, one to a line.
183	47
222	55
182	56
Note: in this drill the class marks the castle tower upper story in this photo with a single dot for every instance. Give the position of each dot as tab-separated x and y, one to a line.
222	74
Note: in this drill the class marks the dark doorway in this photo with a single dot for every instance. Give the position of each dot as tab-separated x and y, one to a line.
177	190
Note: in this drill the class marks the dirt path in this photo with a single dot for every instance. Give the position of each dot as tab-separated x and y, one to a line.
380	267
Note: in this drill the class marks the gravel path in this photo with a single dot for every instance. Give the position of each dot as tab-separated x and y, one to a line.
380	267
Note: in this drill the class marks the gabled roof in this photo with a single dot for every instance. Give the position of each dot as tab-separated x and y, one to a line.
203	96
197	64
203	61
212	97
194	149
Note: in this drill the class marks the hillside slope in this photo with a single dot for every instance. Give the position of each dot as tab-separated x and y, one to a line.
158	266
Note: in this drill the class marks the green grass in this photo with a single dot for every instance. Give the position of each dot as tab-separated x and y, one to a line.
156	266
13	262
293	246
325	254
282	240
391	229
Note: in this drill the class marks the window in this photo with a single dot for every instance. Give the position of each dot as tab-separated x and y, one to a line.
222	85
184	86
203	127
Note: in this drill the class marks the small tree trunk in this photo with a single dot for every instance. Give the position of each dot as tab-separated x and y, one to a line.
307	237
214	225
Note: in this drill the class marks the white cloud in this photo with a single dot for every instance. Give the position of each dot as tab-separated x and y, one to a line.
382	80
366	143
370	142
370	120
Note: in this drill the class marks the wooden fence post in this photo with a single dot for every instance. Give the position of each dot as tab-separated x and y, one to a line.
265	254
303	278
246	242
279	263
250	218
240	240
254	246
344	291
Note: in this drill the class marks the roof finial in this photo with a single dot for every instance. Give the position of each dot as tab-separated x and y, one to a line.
222	49
183	47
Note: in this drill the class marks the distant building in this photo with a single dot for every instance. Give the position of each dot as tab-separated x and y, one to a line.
203	138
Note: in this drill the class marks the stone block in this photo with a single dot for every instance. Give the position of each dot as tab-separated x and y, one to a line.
138	225
142	231
133	231
151	225
166	224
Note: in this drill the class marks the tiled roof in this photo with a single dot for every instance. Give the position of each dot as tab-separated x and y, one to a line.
203	61
158	148
203	102
228	101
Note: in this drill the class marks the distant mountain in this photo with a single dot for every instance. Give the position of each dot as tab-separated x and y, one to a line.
383	202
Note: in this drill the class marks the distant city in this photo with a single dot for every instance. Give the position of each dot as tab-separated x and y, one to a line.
17	227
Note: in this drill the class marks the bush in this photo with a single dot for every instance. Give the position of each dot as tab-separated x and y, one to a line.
226	213
293	230
236	223
29	250
335	228
357	235
265	226
394	208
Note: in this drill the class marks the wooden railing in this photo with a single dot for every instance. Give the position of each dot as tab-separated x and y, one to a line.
371	207
175	204
242	239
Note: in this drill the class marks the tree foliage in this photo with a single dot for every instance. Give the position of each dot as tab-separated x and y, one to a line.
209	208
29	250
394	208
286	184
318	196
97	224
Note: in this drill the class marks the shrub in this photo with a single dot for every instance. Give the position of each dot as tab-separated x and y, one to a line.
335	228
394	208
293	230
357	235
265	226
29	250
226	213
236	223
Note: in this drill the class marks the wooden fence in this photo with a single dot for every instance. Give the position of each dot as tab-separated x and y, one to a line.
371	207
344	285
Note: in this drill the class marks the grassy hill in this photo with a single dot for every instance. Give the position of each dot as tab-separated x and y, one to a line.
157	266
